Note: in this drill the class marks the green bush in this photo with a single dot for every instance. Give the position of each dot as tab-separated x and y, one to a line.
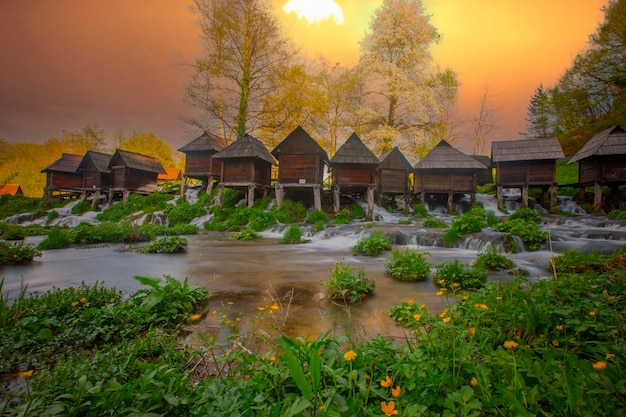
574	261
454	275
166	244
246	234
261	220
14	253
231	197
526	214
408	265
492	260
419	210
616	215
347	286
80	208
136	203
526	229
315	216
471	222
292	234
373	245
52	215
183	212
342	217
12	232
432	223
357	211
105	232
57	238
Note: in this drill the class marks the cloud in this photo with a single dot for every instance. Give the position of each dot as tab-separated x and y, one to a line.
315	11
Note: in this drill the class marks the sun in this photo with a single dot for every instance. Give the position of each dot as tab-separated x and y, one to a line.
314	11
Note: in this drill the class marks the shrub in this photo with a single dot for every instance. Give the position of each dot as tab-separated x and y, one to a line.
299	211
573	261
81	208
13	253
183	212
346	285
246	234
166	244
357	211
52	215
261	220
12	232
342	217
292	234
617	215
57	238
419	210
405	221
231	197
408	265
492	260
471	222
526	214
454	275
373	245
316	216
136	203
105	232
431	222
526	229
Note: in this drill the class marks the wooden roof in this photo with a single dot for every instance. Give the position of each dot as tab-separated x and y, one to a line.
246	147
526	150
68	162
171	174
10	189
395	159
444	156
299	142
205	142
611	141
354	152
136	161
100	161
483	159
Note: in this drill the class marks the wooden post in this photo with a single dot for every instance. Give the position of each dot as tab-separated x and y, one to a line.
499	196
209	186
279	195
182	186
250	196
317	197
125	194
83	196
220	197
450	202
336	198
370	203
553	199
597	196
472	199
525	196
96	197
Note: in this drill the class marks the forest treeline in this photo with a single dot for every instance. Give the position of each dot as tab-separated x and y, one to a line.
251	80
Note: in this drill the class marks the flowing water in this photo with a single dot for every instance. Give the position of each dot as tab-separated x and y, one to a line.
242	276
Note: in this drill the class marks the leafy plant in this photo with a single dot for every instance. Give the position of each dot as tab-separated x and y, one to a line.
342	217
357	211
166	244
246	234
13	253
316	216
454	275
291	235
373	245
346	285
524	227
471	222
419	210
57	238
493	260
408	265
12	232
431	222
81	207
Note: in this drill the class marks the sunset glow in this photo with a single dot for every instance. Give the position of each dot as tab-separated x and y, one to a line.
315	11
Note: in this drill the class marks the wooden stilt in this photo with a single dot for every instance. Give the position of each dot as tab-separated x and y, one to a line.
370	203
125	194
336	199
96	198
472	199
279	195
553	200
450	202
209	185
525	196
597	196
317	197
499	196
250	196
183	183
220	197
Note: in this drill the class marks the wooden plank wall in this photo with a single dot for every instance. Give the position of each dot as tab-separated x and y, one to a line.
293	168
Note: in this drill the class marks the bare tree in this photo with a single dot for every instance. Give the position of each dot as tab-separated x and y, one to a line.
485	123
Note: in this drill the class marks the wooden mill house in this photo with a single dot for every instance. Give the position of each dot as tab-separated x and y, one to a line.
246	164
133	173
524	164
392	176
62	176
602	162
94	168
301	166
446	170
353	170
200	163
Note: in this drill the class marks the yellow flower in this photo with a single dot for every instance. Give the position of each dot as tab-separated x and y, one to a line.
447	319
410	301
456	285
83	300
466	297
610	356
322	407
611	298
559	327
417	317
399	319
261	308
472	330
195	317
510	344
388	409
214	312
230	303
444	313
275	307
111	300
481	306
474	382
386	383
237	319
441	281
74	303
438	294
396	391
349	355
592	313
598	366
273	358
423	306
555	343
605	292
26	374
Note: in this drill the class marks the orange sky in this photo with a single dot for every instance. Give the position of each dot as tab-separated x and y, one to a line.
69	63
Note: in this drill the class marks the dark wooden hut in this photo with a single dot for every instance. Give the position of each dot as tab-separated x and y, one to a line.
486	175
246	164
62	176
133	173
446	170
353	170
94	168
301	165
602	161
199	161
527	163
392	175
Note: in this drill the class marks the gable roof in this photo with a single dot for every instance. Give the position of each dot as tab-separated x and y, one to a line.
246	147
137	161
611	141
68	162
205	142
10	189
354	152
299	142
444	156
100	161
171	174
526	150
395	159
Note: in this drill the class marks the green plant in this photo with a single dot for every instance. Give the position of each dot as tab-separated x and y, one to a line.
316	216
342	217
57	238
419	210
405	221
372	245
471	222
493	260
166	244
346	285
292	234
431	222
454	275
12	232
136	203
52	215
616	215
408	265
246	234
357	211
81	207
526	228
13	253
